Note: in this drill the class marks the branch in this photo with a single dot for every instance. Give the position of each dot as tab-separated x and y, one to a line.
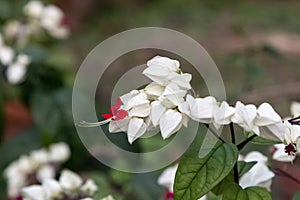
214	132
241	145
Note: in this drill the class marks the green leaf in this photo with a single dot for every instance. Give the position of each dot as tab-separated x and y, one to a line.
218	189
244	167
260	140
234	192
296	196
1	111
197	176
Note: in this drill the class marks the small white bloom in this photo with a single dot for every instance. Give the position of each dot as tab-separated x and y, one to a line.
199	109
33	9
259	174
167	178
39	157
154	90
295	109
45	172
223	114
15	73
89	187
170	122
70	180
109	197
26	164
34	192
244	116
7	55
172	96
266	115
59	152
136	128
52	189
157	110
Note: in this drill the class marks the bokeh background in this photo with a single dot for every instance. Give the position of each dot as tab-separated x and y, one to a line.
255	44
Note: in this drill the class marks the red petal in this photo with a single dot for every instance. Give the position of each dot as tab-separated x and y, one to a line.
169	195
107	116
116	107
121	114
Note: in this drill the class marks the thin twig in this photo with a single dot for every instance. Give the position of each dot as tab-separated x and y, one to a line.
235	168
214	132
241	145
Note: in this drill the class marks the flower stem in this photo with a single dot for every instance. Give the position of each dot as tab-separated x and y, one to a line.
241	145
214	132
93	124
235	168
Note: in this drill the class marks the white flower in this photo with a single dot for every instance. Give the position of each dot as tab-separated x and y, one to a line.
89	187
172	96
70	180
7	55
199	109
26	164
223	114
259	174
136	128
170	122
159	69
109	197
34	192
15	73
266	115
88	198
59	152
39	157
167	178
52	189
280	154
154	90
245	116
295	109
14	29
33	9
51	20
45	172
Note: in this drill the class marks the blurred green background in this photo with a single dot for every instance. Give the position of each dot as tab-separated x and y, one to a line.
255	44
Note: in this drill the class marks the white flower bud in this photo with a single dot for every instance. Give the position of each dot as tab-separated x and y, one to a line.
59	152
69	180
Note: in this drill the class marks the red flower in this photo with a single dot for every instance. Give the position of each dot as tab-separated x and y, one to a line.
115	112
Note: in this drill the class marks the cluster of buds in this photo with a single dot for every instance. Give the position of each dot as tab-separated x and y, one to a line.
37	166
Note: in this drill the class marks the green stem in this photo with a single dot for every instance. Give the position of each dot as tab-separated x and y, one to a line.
214	132
235	168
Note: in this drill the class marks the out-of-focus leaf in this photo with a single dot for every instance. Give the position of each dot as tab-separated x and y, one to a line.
233	192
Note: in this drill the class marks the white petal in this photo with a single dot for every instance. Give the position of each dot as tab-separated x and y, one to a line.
70	180
223	114
182	80
52	189
157	110
119	125
59	152
295	109
6	55
157	74
136	129
167	177
266	115
169	123
154	90
142	110
16	73
280	154
89	187
255	156
164	62
203	109
172	96
45	172
39	157
34	192
33	9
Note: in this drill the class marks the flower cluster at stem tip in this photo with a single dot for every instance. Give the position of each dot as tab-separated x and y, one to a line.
167	103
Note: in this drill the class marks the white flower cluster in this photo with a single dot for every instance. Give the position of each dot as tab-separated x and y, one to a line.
70	186
16	34
48	17
259	175
38	166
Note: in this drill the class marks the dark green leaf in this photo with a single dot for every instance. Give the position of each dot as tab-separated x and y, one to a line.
235	192
244	167
197	176
218	189
260	140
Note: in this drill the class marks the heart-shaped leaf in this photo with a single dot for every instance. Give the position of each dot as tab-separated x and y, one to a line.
197	176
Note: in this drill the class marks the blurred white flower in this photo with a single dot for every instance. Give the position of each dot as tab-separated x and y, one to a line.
70	180
259	174
15	73
109	197
245	116
45	172
295	109
89	187
7	55
167	178
33	9
51	20
33	192
52	189
59	152
39	157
